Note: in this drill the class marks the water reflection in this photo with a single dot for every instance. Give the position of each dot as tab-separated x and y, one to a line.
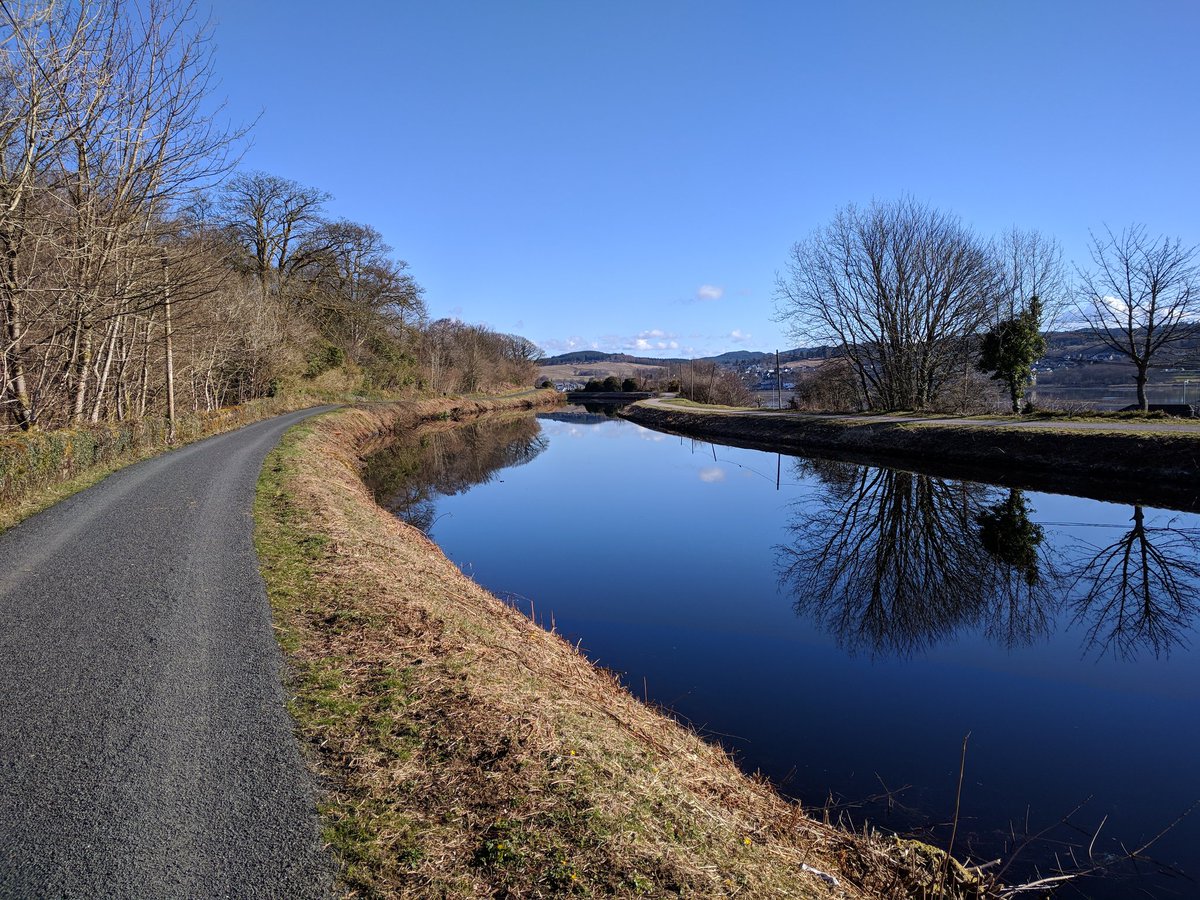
892	563
879	562
408	476
1139	592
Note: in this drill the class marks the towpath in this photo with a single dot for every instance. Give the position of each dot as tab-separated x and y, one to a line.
144	746
1120	425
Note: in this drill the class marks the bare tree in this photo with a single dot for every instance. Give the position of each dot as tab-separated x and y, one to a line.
901	288
1141	294
271	217
108	128
38	53
352	287
1031	265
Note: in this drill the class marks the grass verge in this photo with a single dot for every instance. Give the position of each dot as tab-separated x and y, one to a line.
467	752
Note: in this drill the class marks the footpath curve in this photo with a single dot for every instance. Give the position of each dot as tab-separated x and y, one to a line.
145	750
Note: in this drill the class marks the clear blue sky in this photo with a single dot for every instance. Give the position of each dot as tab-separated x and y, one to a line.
603	173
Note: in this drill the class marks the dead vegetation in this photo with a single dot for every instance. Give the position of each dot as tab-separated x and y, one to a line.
467	752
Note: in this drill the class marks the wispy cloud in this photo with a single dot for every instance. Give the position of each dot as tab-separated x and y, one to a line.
566	345
654	339
712	474
738	336
710	292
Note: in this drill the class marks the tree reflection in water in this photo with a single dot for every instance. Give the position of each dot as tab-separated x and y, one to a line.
409	475
893	562
1021	607
1140	592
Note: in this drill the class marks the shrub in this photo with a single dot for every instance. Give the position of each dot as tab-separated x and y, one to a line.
327	357
831	387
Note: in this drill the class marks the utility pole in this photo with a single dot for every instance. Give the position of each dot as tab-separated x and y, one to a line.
778	383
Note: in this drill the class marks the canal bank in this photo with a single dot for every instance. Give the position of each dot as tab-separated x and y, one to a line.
1144	462
472	752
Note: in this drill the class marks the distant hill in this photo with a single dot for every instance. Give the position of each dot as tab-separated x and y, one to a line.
738	356
1061	345
729	358
595	356
581	356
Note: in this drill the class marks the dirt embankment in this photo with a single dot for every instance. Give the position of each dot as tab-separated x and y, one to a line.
469	752
1158	468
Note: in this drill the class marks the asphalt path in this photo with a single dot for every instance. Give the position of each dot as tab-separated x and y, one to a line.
144	746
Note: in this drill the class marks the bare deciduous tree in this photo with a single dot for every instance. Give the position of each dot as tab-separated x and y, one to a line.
1030	265
901	288
1141	294
271	217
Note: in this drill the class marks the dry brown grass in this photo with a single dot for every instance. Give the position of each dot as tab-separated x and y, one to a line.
469	753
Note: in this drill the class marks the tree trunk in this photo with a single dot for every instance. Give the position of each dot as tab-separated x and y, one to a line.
82	368
114	334
145	390
1141	387
170	358
21	410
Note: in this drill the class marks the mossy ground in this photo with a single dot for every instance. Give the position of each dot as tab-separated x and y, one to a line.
467	752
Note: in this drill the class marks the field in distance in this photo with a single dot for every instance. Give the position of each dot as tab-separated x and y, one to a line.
599	369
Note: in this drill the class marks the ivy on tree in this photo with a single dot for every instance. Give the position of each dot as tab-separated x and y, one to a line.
1012	347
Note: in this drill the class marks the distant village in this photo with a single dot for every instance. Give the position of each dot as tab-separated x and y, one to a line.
1077	367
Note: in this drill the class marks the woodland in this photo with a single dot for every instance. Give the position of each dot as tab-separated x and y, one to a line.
144	274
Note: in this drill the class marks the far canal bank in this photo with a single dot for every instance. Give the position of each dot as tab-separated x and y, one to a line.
1154	461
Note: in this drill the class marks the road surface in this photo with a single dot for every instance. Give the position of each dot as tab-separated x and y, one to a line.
144	746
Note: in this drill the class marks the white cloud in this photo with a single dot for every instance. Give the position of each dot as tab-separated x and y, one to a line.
653	339
709	292
711	475
554	346
739	337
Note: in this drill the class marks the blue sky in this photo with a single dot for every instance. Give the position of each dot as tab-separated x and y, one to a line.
630	175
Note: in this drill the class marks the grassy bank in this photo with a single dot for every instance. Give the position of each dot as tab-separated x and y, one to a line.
1078	456
467	752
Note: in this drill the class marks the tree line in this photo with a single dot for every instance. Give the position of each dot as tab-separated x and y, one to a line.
914	301
141	272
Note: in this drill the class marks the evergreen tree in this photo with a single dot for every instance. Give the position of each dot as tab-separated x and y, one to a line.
1011	348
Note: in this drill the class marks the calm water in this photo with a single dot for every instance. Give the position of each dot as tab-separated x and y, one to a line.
842	631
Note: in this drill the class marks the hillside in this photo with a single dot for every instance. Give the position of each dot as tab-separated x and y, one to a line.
729	358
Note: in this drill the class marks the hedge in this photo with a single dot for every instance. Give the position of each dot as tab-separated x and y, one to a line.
31	461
